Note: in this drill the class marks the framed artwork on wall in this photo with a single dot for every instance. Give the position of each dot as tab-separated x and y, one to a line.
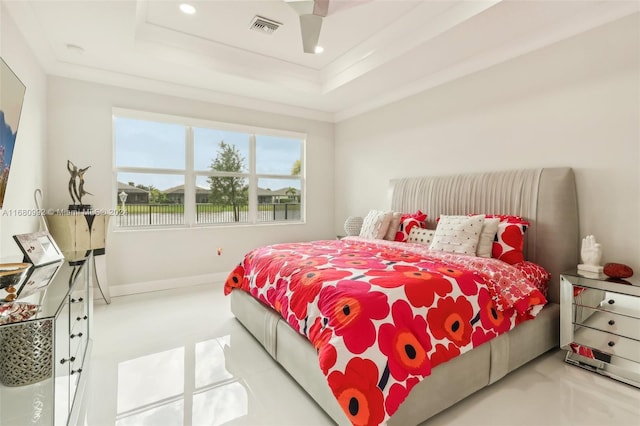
38	248
11	98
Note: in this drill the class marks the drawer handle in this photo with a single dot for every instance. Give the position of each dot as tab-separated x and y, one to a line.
79	370
611	344
79	299
611	322
76	335
82	318
611	301
62	361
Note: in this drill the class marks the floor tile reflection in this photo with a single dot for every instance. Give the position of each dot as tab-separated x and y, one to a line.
167	414
220	404
210	365
150	378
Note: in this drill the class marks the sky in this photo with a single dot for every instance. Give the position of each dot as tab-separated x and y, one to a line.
162	145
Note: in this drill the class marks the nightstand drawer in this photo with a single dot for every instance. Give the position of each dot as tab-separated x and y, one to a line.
606	321
608	343
607	301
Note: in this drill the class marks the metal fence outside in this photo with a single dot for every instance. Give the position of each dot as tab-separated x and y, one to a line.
139	215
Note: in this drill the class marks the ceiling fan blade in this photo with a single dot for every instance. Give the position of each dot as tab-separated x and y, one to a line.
311	13
310	26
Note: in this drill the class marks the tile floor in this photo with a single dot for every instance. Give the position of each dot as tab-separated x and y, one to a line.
178	357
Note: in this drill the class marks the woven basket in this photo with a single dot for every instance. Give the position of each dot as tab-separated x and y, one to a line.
26	353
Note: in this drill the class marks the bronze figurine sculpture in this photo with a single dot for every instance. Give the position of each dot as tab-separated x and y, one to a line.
76	187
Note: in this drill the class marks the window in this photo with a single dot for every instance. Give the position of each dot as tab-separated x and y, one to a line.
173	171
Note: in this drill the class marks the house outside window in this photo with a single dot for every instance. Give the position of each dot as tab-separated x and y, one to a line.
177	171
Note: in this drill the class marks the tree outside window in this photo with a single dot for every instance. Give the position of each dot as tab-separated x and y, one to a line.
228	190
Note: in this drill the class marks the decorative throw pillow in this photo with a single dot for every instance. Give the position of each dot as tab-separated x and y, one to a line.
458	234
509	242
353	225
536	274
421	236
394	225
375	224
408	221
487	237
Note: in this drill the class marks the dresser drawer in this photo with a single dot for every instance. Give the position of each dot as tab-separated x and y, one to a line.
77	307
607	343
78	321
78	338
621	325
78	358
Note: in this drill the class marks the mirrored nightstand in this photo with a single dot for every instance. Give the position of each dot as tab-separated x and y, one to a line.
600	324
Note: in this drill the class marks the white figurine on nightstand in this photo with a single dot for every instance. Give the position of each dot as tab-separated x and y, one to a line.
591	254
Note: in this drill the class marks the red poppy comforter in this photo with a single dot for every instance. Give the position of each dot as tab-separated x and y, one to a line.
383	314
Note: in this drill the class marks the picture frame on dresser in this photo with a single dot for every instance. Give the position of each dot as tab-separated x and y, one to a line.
38	279
39	248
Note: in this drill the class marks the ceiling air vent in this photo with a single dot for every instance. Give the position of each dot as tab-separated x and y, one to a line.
264	25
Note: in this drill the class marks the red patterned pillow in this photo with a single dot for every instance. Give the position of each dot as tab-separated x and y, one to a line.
509	241
536	274
408	221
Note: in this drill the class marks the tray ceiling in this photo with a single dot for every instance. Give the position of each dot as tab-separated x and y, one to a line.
375	51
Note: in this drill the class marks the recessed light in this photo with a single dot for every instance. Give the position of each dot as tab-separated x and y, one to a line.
187	8
318	49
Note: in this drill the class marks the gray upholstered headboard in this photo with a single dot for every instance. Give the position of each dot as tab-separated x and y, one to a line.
545	197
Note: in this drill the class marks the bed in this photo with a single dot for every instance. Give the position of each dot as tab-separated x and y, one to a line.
544	197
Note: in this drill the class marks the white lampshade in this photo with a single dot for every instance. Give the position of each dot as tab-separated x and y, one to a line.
352	225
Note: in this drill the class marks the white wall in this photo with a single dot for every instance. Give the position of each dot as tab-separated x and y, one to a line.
28	164
575	103
80	130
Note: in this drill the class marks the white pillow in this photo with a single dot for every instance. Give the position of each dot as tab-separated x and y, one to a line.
487	236
421	235
375	224
458	234
393	226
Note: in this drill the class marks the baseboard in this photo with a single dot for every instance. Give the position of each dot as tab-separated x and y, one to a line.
168	284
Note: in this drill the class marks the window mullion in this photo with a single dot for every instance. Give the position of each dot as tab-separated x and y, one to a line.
189	179
253	181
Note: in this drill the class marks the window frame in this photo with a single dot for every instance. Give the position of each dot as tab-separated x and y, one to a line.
191	174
